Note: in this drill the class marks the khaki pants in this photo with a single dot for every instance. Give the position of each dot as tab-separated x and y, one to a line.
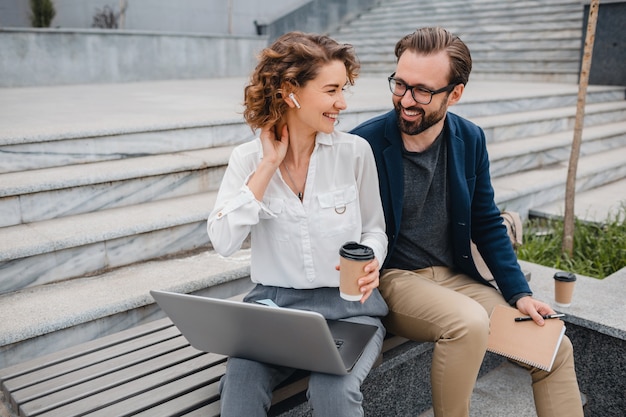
439	305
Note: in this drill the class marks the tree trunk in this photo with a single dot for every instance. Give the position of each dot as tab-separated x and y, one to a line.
570	186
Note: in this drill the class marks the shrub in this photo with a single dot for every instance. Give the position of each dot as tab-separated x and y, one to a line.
599	249
42	13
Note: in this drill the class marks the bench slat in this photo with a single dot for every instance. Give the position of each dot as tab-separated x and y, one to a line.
83	348
187	403
85	374
90	393
195	385
73	364
209	410
133	386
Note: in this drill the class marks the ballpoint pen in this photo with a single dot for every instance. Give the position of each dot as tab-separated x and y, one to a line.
547	316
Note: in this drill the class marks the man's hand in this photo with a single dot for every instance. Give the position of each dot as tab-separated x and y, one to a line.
534	308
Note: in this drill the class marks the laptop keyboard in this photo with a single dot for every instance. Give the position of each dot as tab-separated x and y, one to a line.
338	343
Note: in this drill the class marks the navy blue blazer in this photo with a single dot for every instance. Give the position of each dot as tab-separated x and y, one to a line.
473	212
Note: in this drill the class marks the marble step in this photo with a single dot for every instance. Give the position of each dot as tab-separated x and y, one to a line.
487	56
595	205
464	28
48	193
66	147
64	314
526	124
389	6
470	36
487	14
491	46
487	73
521	41
55	192
526	190
478	102
535	153
528	76
86	244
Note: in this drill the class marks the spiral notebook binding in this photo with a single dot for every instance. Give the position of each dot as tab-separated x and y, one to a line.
519	359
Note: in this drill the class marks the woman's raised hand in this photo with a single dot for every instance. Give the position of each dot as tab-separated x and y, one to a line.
274	146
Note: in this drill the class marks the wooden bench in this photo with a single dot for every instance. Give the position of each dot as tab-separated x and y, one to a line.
150	370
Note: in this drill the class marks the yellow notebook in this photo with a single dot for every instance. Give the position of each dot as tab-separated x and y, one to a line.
524	341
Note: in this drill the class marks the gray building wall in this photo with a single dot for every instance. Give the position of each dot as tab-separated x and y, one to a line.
160	39
30	57
184	16
608	59
14	13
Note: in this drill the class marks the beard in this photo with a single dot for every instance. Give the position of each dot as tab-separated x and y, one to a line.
425	122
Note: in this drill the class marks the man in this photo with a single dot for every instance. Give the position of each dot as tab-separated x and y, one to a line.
437	195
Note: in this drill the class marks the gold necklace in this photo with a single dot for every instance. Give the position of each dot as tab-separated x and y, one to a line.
299	193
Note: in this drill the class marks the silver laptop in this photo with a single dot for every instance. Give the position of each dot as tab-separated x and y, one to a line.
281	336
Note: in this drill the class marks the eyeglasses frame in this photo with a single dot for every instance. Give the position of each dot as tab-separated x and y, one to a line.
411	88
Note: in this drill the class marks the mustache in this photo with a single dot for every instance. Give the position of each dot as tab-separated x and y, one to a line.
419	110
416	109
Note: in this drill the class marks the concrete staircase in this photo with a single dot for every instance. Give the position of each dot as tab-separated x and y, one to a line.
105	190
138	221
538	40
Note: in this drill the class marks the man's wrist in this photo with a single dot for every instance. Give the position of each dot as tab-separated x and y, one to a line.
513	300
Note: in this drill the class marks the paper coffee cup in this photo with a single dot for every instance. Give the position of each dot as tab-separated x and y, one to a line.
564	283
352	260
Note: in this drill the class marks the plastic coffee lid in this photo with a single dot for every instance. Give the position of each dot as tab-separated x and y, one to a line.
564	276
356	251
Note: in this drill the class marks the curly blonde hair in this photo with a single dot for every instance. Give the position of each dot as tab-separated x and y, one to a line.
290	62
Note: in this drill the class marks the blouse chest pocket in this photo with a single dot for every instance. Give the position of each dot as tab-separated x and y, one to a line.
339	211
278	225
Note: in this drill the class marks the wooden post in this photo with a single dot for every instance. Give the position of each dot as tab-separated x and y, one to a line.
570	186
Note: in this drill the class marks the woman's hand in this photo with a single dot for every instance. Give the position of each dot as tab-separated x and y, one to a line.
274	152
370	281
274	148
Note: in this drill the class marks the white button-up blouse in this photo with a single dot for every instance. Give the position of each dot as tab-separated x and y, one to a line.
296	244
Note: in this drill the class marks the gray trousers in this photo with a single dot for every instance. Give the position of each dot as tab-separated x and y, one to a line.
246	388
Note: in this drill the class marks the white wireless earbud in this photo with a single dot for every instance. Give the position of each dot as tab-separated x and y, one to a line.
293	98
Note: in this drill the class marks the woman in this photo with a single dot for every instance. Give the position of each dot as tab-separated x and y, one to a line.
301	190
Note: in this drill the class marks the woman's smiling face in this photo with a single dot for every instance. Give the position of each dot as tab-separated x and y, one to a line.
322	99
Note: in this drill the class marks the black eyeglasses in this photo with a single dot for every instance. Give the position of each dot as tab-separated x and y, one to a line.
421	95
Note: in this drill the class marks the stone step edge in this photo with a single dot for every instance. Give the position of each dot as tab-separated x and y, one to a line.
357	106
55	178
33	239
113	131
516	148
519	15
514	186
70	176
61	306
531	116
408	4
83	229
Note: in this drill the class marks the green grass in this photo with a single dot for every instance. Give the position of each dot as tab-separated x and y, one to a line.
599	249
